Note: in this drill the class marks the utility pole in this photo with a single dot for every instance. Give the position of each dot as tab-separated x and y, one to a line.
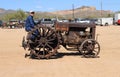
101	8
101	12
73	11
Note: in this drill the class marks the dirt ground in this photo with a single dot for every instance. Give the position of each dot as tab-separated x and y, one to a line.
13	63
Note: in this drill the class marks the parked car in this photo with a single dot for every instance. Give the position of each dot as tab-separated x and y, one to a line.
13	23
1	23
117	18
47	22
118	22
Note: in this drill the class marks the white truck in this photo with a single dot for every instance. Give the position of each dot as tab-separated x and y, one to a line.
105	21
117	18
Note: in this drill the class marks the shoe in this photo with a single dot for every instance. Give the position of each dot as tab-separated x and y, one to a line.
30	41
24	45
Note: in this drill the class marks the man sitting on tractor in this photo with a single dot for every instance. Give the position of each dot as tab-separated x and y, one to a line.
30	26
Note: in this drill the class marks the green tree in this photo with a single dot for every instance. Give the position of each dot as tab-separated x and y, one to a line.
18	15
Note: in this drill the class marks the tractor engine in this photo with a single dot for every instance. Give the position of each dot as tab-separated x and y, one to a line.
73	37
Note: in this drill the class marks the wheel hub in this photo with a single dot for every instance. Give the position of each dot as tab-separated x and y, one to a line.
43	40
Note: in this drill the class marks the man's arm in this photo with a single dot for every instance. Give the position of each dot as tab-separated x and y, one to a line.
32	24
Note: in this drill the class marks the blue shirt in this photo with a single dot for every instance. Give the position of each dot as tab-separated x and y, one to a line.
29	23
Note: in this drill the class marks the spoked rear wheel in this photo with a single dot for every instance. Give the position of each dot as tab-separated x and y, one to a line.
46	43
90	48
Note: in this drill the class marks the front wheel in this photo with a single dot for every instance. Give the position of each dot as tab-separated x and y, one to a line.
89	48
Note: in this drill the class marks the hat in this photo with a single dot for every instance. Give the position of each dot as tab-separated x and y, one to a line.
32	12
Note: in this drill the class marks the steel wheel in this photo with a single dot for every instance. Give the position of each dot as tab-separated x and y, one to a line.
89	48
46	43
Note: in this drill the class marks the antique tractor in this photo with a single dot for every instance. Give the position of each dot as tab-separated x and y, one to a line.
71	35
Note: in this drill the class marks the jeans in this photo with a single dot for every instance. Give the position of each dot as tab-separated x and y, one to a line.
32	35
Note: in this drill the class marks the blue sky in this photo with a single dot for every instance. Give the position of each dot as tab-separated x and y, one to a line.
55	5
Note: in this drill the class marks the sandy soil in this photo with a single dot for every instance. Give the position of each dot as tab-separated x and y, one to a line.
13	63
